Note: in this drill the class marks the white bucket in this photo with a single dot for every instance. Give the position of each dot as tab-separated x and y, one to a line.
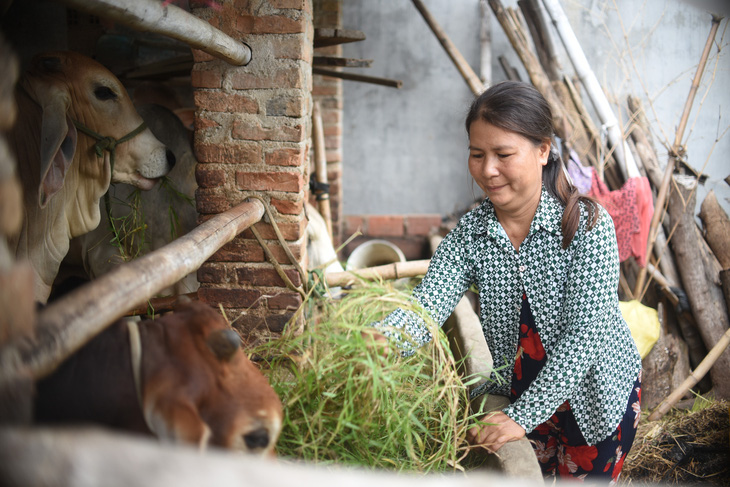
374	253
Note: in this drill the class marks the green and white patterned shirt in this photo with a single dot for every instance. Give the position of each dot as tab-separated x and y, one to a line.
592	360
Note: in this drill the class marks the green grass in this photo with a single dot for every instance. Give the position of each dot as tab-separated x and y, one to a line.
346	403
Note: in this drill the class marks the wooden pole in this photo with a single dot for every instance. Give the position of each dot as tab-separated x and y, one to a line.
66	325
475	84
169	20
676	151
320	159
693	378
396	270
392	83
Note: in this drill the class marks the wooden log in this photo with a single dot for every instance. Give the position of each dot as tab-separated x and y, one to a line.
677	149
392	83
169	20
396	270
706	298
320	159
665	367
471	78
717	228
544	47
66	325
325	36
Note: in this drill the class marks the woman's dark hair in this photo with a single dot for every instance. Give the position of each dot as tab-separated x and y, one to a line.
518	107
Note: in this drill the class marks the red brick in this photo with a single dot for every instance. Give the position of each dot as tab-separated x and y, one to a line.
239	250
210	203
212	273
269	24
292	48
241	153
291	182
289	230
285	157
218	101
333	155
288	300
230	298
253	130
280	79
273	322
266	276
286	106
209	177
422	225
321	90
288	207
206	79
332	129
202	122
385	225
354	223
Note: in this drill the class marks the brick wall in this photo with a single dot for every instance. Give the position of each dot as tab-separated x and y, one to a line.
252	136
328	92
409	232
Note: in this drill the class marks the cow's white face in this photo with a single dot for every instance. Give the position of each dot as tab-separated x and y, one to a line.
102	104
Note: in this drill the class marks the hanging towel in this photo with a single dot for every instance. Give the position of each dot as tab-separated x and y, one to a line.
631	208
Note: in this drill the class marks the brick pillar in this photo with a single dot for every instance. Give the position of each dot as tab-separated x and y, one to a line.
252	136
328	92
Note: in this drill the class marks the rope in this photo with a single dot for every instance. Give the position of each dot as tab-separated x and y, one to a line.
109	144
304	290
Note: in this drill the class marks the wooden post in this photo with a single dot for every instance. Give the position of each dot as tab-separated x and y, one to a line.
475	85
396	270
169	20
66	325
320	159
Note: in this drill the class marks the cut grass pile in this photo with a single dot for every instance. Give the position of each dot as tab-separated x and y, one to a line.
348	403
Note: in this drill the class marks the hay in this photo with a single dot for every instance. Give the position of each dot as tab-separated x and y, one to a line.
682	448
346	403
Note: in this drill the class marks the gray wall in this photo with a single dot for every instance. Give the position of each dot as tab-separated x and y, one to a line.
405	150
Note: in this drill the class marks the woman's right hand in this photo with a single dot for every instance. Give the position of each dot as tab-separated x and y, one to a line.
377	341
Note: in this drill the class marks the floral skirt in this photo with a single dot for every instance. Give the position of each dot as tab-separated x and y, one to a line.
558	442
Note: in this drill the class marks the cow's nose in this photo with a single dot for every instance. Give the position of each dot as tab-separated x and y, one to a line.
170	158
258	438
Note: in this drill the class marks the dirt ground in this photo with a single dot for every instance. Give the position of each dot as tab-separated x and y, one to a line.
687	448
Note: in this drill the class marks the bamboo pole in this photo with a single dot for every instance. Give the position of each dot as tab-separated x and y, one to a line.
392	83
396	270
475	84
693	378
69	323
320	159
169	20
592	86
676	151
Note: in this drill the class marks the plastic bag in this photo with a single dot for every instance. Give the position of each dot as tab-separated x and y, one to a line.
644	324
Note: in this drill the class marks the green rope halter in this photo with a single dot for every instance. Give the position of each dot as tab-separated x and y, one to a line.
108	144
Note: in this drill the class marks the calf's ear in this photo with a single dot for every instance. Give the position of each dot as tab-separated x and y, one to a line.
58	136
223	343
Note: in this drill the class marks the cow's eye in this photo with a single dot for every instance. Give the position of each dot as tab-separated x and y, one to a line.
104	93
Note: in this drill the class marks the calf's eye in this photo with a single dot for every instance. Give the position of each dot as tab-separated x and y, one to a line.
104	93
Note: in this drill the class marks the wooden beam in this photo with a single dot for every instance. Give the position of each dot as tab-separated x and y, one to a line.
66	325
324	37
393	83
169	20
341	62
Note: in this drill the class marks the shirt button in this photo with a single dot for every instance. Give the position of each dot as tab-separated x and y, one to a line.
523	268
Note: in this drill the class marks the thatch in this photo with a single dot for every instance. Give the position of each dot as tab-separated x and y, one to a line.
684	447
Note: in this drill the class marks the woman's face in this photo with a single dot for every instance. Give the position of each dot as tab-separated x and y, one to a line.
507	166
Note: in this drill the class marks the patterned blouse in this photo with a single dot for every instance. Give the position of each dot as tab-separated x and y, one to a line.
592	360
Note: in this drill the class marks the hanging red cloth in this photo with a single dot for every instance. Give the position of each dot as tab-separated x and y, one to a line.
631	208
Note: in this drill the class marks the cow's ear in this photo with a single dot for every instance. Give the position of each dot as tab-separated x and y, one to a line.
58	137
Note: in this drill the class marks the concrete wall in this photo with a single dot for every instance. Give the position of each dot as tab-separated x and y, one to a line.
405	150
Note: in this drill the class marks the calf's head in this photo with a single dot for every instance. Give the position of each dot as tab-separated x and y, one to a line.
200	387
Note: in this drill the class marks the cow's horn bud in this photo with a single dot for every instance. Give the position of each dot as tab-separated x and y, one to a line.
224	343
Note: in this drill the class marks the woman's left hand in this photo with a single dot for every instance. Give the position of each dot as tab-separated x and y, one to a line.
493	436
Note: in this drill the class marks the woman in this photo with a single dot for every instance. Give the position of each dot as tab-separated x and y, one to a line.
545	261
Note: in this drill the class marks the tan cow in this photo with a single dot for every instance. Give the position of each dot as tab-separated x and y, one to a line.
72	112
194	384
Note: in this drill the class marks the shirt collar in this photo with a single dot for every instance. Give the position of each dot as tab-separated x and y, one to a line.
549	216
